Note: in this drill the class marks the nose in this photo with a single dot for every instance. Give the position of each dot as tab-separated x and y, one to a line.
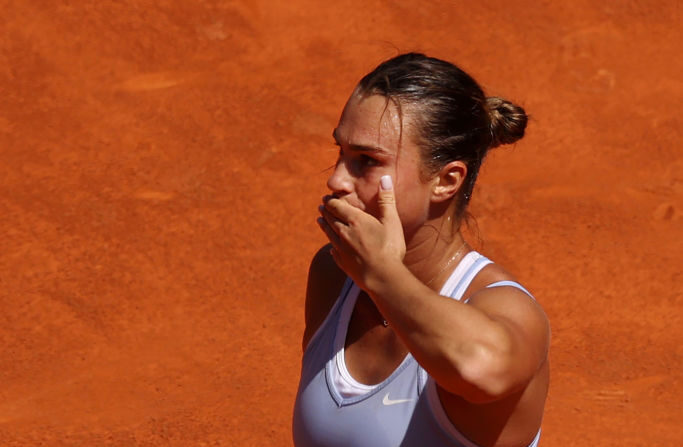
340	182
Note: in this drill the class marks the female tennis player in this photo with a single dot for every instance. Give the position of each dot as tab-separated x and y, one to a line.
412	338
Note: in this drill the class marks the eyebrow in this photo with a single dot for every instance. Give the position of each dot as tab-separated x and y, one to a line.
361	147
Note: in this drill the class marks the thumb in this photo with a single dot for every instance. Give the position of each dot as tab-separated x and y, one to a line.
388	214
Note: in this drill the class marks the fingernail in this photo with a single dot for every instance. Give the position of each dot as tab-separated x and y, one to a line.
386	182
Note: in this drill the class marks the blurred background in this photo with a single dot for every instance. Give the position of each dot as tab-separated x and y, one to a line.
160	168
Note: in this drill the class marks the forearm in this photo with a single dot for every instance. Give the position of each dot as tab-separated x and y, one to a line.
481	351
467	352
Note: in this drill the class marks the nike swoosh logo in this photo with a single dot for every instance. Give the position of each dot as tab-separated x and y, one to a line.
387	401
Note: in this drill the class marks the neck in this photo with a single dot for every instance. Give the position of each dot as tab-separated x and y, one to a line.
430	251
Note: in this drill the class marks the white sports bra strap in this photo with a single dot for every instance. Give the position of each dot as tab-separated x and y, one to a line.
514	284
476	263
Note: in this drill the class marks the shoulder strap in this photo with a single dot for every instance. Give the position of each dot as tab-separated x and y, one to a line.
514	284
468	276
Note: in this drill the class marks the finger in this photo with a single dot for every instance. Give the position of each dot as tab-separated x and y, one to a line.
342	232
329	232
342	210
336	224
388	213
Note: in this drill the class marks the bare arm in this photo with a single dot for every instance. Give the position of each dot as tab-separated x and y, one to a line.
482	351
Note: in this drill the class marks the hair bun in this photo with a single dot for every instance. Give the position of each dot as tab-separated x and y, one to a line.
508	121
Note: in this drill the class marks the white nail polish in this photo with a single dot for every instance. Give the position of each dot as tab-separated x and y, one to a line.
386	182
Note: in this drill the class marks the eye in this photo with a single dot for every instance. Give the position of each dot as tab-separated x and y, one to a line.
368	161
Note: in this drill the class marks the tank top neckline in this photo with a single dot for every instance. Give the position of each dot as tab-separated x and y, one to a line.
454	287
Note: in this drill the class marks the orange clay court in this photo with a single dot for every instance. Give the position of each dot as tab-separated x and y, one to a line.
160	168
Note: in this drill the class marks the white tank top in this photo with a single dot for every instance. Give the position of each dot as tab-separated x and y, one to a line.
403	410
342	379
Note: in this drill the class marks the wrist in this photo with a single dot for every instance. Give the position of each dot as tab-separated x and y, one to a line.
385	276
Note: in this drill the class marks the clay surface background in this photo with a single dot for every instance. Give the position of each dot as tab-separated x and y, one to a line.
160	168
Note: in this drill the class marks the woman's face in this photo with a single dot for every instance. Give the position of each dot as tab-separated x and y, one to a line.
371	145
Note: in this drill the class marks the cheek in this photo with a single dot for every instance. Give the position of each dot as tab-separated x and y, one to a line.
367	190
413	206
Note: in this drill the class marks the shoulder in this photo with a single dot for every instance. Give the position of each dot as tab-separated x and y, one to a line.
509	305
325	281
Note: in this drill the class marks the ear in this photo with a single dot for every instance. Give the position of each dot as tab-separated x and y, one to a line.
448	181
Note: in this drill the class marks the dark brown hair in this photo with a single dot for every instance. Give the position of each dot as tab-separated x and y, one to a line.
453	118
